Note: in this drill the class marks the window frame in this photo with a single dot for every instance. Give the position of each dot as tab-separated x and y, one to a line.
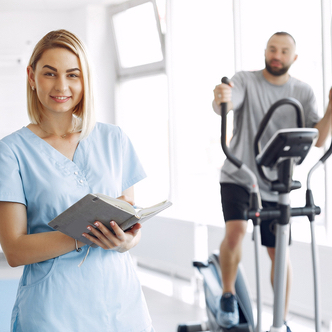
141	70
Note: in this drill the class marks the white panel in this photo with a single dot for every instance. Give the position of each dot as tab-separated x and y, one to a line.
167	245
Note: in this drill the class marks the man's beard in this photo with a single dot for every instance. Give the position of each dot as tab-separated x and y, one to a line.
276	72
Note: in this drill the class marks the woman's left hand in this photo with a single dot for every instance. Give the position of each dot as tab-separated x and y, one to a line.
121	241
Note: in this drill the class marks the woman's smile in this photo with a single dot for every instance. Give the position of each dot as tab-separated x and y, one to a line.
59	99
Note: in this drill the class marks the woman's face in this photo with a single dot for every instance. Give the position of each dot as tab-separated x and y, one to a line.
58	80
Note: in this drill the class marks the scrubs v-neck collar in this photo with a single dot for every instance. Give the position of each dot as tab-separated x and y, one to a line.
54	153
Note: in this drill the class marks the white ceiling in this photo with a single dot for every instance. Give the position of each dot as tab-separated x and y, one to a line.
50	4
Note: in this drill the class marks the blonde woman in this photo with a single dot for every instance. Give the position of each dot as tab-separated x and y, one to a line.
45	167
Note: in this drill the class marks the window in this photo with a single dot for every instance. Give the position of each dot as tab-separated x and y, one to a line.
200	52
141	107
138	38
142	112
228	36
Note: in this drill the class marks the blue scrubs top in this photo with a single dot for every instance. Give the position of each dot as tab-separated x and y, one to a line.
104	294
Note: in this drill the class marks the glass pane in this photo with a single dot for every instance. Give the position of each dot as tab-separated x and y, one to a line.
142	112
202	53
137	36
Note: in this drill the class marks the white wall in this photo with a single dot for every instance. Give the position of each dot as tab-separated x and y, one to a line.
100	47
21	30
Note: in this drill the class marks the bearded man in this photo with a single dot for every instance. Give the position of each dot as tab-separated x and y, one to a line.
250	95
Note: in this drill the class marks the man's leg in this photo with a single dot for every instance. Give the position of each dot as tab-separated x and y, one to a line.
271	252
229	259
235	200
231	253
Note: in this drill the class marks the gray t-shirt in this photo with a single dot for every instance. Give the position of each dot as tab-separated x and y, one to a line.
252	96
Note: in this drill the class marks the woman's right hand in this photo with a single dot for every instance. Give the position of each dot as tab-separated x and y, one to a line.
119	240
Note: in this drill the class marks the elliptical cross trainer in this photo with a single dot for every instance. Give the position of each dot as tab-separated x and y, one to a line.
287	148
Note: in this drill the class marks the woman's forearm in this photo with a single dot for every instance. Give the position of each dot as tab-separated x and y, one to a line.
34	248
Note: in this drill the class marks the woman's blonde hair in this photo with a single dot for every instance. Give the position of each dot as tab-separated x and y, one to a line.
84	111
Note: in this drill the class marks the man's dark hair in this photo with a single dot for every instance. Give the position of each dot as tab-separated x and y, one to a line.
283	33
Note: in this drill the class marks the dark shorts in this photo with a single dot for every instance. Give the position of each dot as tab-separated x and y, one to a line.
235	200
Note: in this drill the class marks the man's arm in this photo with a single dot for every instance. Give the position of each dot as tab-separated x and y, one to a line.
324	125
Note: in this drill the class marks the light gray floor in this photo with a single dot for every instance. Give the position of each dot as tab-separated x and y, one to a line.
172	301
167	312
177	307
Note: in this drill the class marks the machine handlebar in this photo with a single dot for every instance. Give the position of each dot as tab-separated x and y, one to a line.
275	214
224	146
263	125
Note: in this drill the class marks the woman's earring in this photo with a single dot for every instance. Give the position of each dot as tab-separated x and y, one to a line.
33	88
